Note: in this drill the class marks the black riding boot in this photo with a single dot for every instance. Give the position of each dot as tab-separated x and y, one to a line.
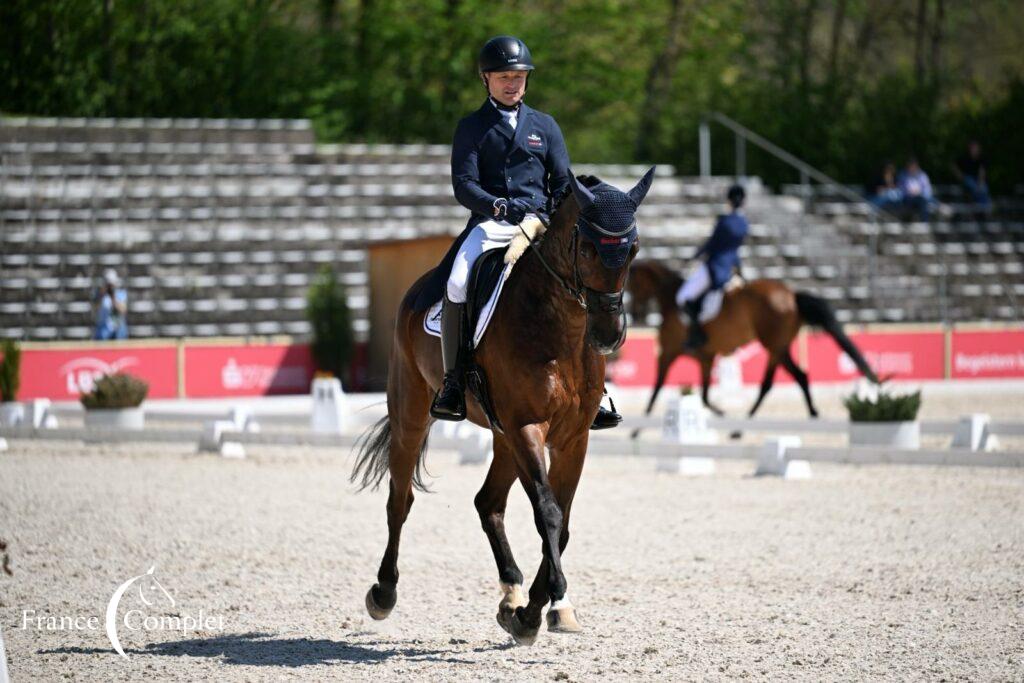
605	418
697	337
450	400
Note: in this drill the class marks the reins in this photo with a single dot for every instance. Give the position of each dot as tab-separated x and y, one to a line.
586	297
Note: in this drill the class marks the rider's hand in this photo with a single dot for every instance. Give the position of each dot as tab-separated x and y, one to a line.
517	210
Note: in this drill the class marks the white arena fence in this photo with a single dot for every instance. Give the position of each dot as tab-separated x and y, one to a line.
467	439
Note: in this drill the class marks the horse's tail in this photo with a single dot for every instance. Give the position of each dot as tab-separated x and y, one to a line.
816	311
374	452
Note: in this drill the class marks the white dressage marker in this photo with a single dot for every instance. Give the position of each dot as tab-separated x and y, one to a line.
476	448
686	422
775	461
4	677
3	444
244	420
213	441
972	432
328	406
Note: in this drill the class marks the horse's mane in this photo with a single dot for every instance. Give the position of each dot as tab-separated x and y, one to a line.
587	181
666	283
667	278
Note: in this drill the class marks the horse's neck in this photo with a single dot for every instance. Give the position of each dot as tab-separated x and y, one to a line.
667	284
555	321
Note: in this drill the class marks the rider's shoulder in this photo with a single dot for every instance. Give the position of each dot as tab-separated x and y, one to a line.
544	117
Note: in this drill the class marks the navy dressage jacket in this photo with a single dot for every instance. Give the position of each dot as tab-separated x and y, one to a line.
491	161
722	249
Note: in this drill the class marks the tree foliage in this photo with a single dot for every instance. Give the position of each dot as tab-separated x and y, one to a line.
845	84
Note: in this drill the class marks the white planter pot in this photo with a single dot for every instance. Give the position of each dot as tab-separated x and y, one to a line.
12	414
905	435
115	418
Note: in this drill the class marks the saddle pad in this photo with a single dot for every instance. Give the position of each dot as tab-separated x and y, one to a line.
711	305
486	281
432	321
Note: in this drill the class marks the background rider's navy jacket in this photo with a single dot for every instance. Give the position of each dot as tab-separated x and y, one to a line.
722	249
491	161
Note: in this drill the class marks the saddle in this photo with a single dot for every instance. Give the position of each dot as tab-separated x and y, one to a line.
486	280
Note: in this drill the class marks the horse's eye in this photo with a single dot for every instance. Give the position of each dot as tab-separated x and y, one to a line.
588	250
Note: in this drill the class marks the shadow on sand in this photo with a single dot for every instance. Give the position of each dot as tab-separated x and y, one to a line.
264	649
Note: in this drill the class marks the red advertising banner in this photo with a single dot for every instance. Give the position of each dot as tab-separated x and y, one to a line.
902	355
987	353
212	371
637	365
63	375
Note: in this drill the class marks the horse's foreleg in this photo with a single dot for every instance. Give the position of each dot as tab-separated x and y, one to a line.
490	504
766	384
528	446
706	363
664	363
801	378
564	475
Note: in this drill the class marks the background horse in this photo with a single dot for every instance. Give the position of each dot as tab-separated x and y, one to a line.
765	310
543	355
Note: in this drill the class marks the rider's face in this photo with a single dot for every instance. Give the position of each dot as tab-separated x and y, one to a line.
507	87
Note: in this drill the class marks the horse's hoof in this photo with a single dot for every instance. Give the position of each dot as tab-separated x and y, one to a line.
520	632
736	435
513	598
563	620
376	610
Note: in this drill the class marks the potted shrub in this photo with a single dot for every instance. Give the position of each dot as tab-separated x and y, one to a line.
328	314
115	402
12	413
881	418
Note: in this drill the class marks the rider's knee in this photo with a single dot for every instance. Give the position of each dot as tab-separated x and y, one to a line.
456	291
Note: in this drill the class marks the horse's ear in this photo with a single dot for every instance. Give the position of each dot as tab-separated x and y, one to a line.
639	190
584	197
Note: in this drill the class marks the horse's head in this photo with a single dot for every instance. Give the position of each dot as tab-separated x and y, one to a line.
604	242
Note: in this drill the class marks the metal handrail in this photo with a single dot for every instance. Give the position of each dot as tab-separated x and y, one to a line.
807	172
805	169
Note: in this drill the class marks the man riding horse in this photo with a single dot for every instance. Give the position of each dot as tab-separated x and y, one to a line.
721	254
508	162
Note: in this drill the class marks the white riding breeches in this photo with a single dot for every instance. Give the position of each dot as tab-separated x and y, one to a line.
484	237
695	285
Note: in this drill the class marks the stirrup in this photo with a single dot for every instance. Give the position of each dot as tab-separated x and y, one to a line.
450	400
605	418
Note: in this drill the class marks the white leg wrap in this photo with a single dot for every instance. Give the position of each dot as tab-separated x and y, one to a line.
559	604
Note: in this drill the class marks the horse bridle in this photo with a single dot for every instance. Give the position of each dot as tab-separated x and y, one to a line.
586	297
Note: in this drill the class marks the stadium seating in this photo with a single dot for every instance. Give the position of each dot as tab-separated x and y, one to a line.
218	227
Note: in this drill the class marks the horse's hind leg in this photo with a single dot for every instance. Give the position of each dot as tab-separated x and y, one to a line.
801	378
408	415
706	363
490	503
766	384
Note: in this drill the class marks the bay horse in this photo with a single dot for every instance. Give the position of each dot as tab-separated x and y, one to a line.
543	354
765	310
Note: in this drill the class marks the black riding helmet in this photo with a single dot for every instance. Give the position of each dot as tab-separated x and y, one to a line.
504	53
736	195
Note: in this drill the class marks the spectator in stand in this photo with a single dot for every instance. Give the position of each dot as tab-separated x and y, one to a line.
916	189
973	174
884	193
111	305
